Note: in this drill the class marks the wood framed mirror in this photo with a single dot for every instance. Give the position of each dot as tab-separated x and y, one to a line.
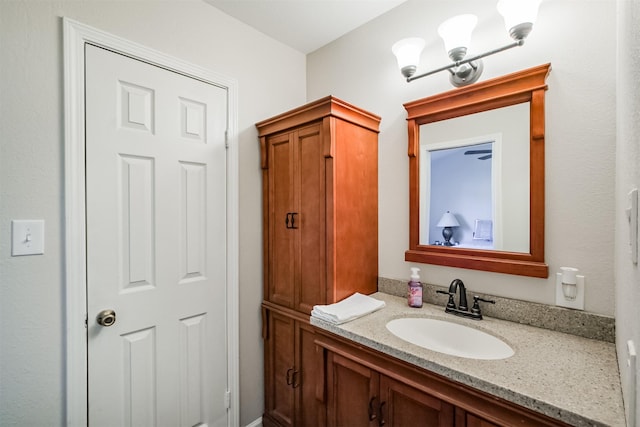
496	97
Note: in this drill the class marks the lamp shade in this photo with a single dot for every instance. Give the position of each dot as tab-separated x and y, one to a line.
518	14
448	220
456	31
407	52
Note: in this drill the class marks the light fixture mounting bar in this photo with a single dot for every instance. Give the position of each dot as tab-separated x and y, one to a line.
456	64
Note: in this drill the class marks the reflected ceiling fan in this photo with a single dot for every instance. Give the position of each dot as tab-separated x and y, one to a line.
487	153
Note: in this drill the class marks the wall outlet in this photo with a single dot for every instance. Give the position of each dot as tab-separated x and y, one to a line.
576	303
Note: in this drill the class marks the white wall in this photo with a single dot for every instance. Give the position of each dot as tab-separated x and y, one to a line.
578	38
627	275
271	79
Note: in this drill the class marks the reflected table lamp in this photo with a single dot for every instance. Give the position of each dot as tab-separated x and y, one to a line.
448	221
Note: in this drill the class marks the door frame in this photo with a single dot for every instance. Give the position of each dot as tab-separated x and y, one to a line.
76	35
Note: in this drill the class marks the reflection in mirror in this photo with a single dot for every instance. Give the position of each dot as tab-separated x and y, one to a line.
492	220
458	185
477	168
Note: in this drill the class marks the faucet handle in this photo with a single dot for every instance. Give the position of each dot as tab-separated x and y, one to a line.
450	303
476	307
476	298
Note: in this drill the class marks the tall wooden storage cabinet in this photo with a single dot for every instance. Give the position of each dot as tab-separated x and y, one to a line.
320	210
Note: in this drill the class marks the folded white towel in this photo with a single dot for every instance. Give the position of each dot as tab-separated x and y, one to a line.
353	307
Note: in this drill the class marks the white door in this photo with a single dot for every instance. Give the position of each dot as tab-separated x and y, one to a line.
156	245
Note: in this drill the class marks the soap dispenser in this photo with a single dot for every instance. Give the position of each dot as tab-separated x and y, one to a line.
415	289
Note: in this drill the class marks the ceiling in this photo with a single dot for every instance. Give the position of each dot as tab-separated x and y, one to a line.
305	25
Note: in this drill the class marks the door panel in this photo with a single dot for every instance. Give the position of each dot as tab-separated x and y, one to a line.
156	245
280	345
307	406
311	206
352	393
297	219
406	406
281	205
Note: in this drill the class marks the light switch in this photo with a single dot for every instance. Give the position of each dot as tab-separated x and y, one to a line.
27	237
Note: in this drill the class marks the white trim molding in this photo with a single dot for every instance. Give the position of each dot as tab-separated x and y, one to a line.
76	35
255	423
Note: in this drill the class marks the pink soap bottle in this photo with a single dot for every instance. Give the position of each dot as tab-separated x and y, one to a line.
415	289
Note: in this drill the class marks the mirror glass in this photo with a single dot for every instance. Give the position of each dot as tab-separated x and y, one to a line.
476	175
476	167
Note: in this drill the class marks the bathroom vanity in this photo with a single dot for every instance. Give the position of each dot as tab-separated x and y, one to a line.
320	228
368	376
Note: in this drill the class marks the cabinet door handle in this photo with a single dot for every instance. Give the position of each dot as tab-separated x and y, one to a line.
294	379
382	422
290	220
289	376
372	411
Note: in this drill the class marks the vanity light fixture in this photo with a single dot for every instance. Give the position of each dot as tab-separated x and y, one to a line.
519	17
448	221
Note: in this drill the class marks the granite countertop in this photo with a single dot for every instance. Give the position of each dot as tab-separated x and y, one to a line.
567	377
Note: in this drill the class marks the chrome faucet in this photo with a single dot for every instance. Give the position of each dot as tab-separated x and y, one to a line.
463	309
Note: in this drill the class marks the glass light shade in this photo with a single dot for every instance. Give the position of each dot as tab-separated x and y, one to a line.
407	51
448	220
456	31
517	13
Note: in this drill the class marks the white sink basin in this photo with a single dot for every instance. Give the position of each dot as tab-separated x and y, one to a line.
450	338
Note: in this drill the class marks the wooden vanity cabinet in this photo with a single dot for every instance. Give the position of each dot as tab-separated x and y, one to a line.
360	396
359	386
320	229
320	204
289	361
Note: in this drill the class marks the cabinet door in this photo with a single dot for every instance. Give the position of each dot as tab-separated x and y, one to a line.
403	405
310	220
281	249
297	255
304	379
352	393
279	367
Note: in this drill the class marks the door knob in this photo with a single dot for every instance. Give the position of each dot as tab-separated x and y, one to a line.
106	318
